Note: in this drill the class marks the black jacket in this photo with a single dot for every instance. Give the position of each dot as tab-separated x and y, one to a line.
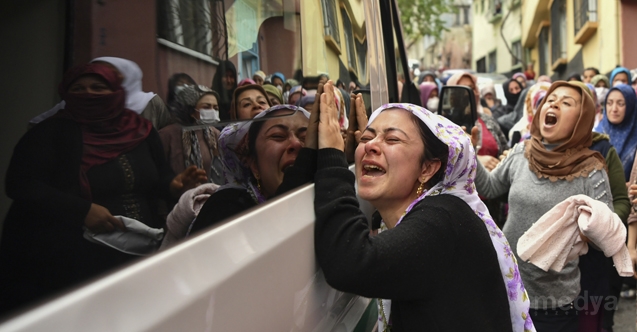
438	266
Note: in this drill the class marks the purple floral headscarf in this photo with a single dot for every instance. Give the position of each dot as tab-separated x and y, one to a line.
232	142
459	181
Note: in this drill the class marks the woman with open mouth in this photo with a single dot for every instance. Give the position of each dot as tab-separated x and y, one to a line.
554	164
439	262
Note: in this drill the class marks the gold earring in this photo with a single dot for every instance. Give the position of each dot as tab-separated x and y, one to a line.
420	189
258	182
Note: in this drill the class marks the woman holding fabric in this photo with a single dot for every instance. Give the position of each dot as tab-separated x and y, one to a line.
554	164
74	172
417	169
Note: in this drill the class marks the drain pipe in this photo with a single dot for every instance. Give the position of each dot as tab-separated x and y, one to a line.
619	32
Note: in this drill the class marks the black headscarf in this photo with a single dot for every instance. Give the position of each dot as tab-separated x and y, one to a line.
172	84
512	98
225	95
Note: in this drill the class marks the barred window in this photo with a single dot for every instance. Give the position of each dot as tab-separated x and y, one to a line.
195	24
493	62
349	39
584	11
516	49
330	21
558	30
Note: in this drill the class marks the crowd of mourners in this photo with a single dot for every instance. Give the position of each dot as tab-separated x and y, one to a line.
531	227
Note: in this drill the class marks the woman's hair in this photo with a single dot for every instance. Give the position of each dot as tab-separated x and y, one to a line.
434	149
595	70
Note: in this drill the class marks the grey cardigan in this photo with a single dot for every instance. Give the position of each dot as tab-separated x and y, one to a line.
529	198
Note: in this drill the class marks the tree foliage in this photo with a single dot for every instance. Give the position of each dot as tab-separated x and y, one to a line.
423	18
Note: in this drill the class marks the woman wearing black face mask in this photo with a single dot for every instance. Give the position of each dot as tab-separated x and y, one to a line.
512	90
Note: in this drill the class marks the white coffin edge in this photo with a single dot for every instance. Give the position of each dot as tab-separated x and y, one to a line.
254	273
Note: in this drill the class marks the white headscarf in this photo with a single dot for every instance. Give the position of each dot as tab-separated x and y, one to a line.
136	99
459	181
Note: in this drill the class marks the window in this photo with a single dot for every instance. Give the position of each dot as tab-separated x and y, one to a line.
558	31
361	52
585	20
481	65
516	49
349	39
495	6
330	21
467	13
195	24
493	61
543	44
584	11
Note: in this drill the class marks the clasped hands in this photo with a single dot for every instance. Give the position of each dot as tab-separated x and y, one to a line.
324	130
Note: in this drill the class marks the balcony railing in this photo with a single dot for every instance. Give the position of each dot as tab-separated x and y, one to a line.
585	19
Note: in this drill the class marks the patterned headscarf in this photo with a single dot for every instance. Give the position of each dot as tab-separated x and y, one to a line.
622	136
233	145
459	181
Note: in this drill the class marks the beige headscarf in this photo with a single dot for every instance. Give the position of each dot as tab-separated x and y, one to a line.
572	158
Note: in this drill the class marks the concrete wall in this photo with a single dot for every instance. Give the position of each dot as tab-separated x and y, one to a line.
32	60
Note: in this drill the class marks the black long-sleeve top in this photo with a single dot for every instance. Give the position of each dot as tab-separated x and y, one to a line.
42	248
438	266
230	201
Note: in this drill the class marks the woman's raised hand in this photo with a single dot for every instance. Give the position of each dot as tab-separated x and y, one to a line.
311	138
99	220
632	192
190	178
489	162
357	124
329	130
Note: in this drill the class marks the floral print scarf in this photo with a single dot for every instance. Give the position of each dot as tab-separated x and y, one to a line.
233	147
459	181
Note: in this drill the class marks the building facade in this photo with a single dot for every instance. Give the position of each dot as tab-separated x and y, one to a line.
497	38
453	49
565	36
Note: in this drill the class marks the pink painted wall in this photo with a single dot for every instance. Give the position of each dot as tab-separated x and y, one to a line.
628	37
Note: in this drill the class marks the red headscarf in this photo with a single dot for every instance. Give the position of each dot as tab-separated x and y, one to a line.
108	129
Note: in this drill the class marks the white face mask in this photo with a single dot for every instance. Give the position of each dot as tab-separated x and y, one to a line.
209	116
432	104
